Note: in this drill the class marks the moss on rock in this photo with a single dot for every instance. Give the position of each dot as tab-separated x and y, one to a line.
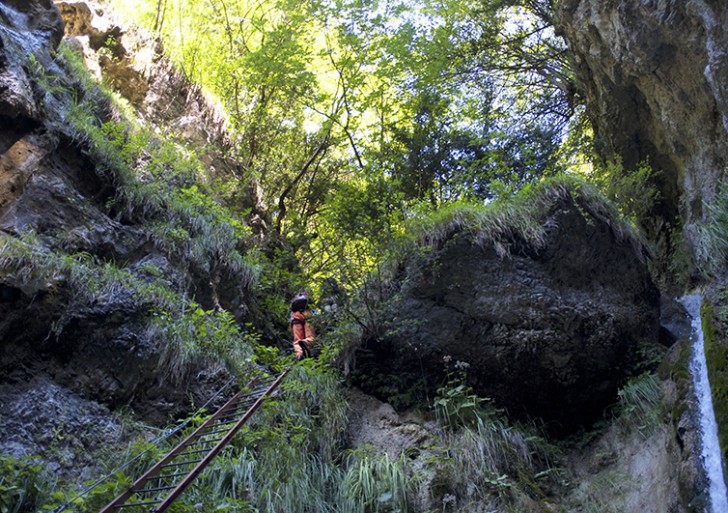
716	354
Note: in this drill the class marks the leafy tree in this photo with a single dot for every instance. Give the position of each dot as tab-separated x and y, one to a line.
335	103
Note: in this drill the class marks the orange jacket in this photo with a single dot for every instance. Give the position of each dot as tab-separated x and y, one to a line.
302	331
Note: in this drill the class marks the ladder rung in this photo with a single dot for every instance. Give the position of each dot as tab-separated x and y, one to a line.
212	441
239	407
241	403
196	451
146	503
251	398
217	431
196	441
230	417
180	463
157	489
226	419
167	476
228	423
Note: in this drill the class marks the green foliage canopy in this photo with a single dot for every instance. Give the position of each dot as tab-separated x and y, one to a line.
334	101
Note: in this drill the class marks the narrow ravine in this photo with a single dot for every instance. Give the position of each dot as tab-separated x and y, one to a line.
710	448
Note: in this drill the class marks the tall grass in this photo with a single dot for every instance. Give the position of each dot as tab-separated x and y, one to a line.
303	483
376	484
484	460
490	461
28	264
286	459
500	223
312	400
195	337
713	252
639	405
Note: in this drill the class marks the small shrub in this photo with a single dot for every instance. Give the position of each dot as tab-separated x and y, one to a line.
198	336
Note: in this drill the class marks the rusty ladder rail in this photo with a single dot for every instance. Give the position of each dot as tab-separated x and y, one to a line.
196	449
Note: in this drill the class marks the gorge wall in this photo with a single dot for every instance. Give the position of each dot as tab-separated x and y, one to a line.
654	77
81	275
103	355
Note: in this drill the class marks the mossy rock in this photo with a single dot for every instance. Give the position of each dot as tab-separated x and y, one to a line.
675	367
716	355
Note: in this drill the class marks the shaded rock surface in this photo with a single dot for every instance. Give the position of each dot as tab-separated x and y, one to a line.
654	75
32	25
628	472
376	424
547	332
41	417
96	351
647	464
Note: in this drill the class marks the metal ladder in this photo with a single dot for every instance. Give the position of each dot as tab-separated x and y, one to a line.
163	483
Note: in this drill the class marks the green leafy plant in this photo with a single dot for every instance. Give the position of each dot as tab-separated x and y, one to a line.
23	485
198	336
456	405
633	191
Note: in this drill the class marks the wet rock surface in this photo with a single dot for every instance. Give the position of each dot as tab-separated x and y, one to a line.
33	27
547	333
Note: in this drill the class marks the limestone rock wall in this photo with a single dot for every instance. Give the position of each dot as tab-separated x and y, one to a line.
62	340
654	75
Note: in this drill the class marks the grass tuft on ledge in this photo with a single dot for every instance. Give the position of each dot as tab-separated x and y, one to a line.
522	216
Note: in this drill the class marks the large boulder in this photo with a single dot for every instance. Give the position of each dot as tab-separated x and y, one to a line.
548	329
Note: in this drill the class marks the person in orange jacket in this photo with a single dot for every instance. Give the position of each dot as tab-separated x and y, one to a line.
302	331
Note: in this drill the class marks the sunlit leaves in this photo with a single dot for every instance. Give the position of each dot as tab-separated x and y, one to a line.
326	97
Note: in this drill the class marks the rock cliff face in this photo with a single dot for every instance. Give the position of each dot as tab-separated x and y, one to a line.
546	331
654	75
70	350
